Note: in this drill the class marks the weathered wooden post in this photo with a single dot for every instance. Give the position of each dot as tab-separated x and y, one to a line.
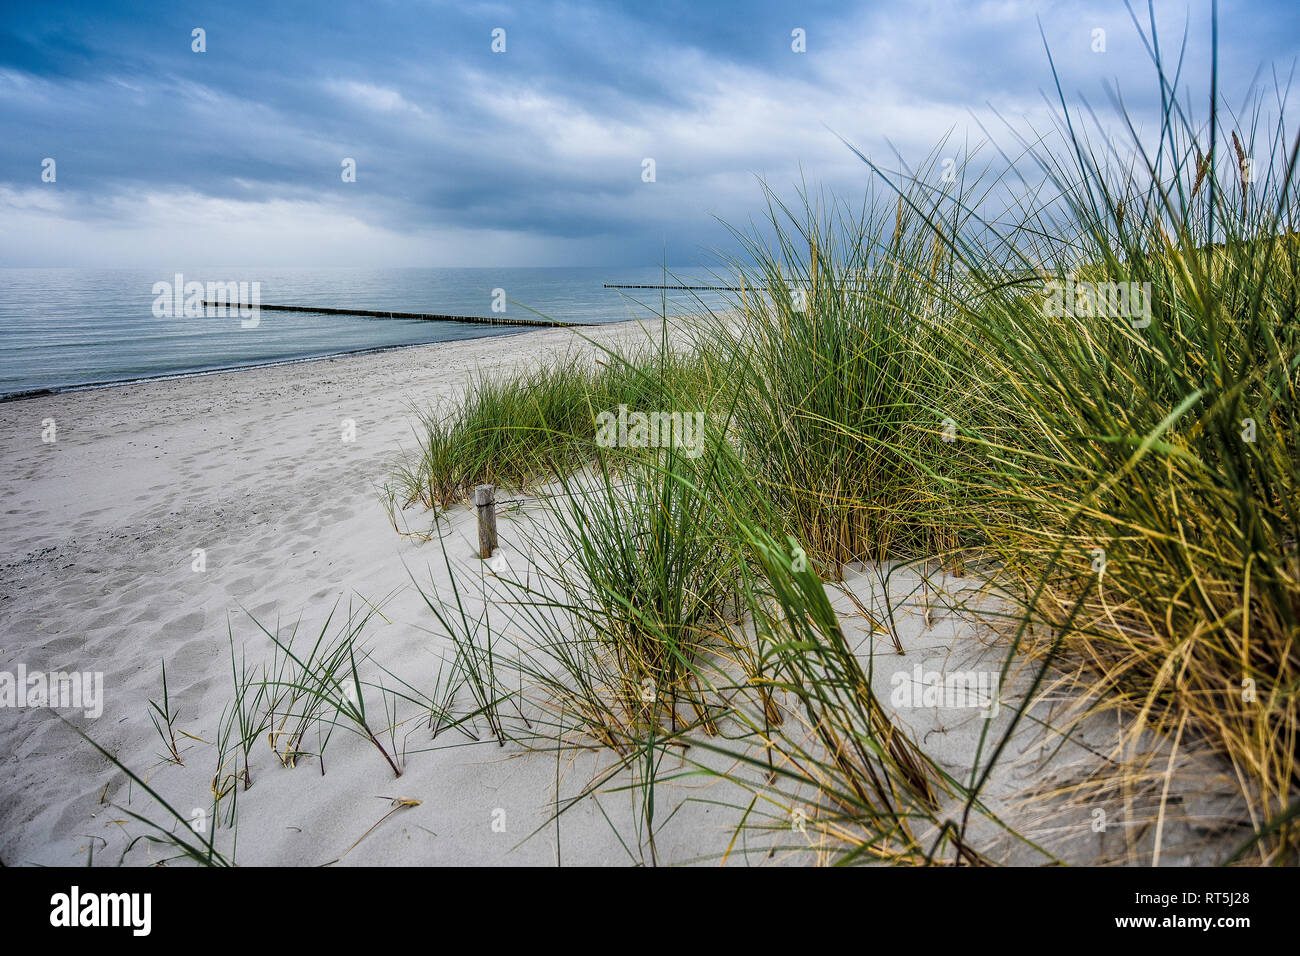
485	500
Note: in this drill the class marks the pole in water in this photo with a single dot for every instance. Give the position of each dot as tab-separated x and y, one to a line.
485	500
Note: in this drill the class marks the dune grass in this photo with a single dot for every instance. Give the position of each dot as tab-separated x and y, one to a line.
321	690
835	396
518	431
1157	453
909	381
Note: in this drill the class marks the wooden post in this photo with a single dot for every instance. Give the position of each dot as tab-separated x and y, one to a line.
485	500
744	296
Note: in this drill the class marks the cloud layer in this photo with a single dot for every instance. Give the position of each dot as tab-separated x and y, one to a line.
533	156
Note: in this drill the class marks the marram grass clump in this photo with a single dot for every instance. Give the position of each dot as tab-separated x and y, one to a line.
1077	374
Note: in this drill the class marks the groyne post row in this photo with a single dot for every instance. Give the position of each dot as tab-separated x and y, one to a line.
703	288
423	316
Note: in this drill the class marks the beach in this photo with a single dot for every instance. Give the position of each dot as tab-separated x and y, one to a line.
100	529
170	518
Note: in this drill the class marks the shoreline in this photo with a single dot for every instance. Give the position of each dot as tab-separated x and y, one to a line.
99	575
276	363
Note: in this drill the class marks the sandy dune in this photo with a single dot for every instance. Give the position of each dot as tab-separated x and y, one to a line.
99	532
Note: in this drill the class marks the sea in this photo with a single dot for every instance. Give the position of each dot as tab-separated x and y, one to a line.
71	328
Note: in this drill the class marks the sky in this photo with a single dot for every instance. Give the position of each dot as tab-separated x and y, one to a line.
534	155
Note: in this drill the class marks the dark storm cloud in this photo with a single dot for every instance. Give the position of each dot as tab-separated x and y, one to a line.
472	155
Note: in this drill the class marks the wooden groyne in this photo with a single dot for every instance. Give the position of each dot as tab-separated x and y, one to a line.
723	288
423	316
695	288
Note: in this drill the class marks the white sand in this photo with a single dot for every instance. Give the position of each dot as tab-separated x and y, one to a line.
98	532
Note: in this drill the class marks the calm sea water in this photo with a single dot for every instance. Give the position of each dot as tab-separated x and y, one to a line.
62	328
